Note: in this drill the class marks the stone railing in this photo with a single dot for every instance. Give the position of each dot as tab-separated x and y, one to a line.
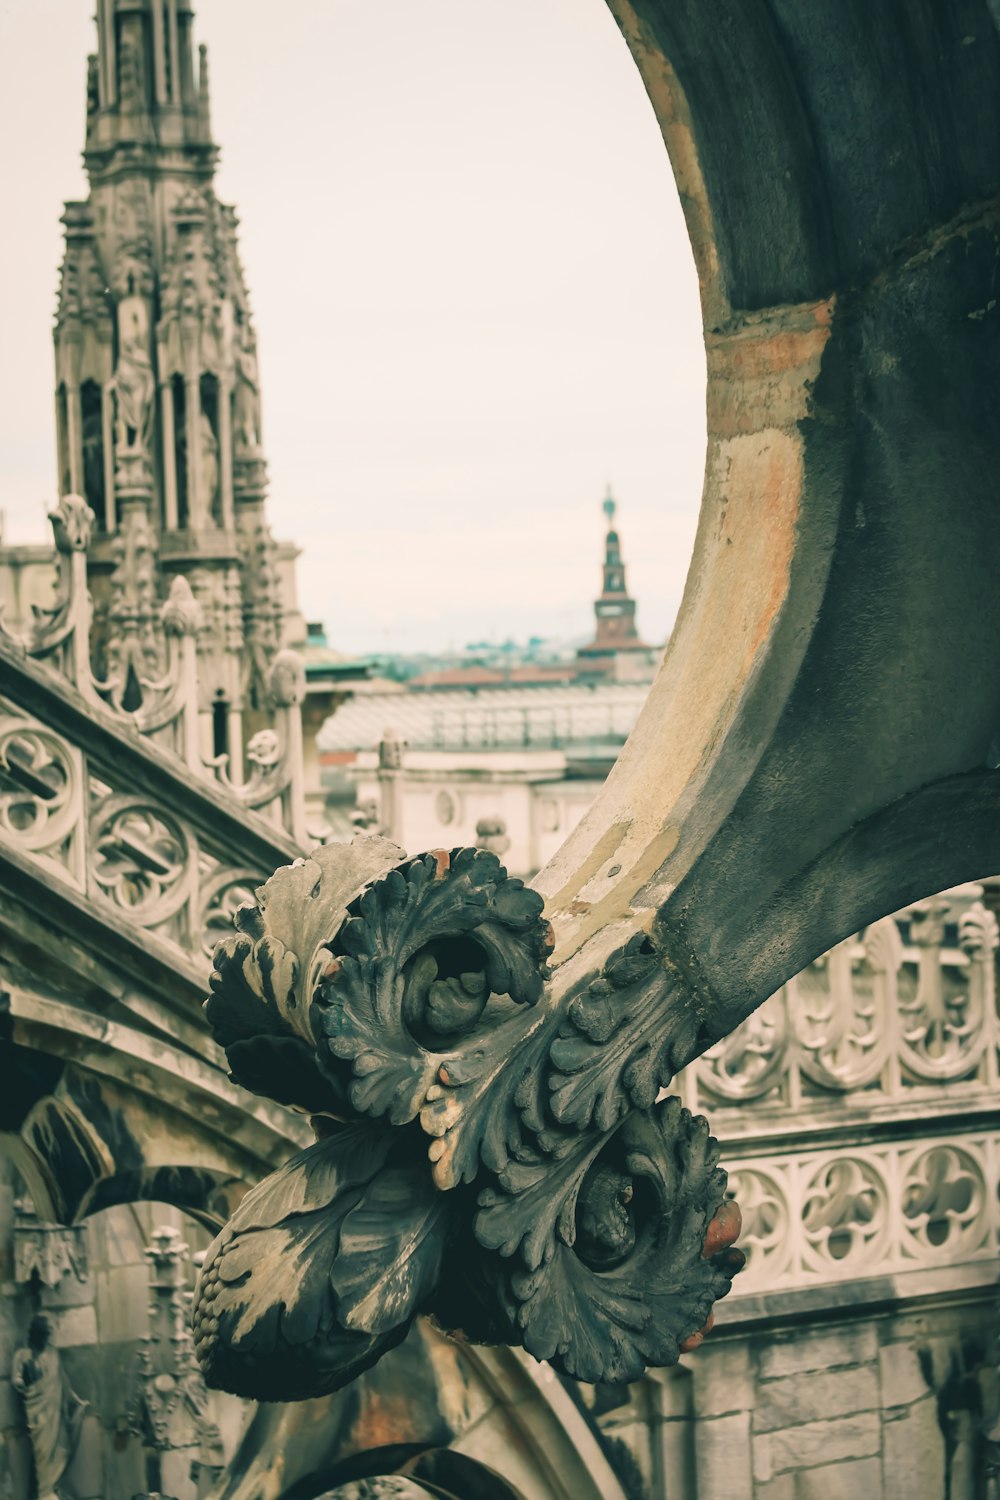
95	814
867	1210
856	1104
167	712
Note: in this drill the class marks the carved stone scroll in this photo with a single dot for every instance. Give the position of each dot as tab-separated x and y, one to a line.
487	1153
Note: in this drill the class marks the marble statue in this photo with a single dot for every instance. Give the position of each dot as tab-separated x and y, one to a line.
134	383
208	448
247	423
53	1412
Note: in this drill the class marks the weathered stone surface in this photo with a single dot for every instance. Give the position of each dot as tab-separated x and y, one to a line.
854	1480
913	1454
10	1409
722	1457
901	1375
782	1488
122	1299
723	1378
809	1398
810	1350
815	1443
74	1326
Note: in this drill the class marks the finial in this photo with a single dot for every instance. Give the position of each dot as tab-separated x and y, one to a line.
610	506
203	89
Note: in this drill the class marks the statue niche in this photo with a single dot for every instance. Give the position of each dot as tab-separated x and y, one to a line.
133	383
246	423
53	1413
208	450
180	451
92	425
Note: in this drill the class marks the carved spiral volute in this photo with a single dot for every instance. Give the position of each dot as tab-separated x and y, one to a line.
479	1157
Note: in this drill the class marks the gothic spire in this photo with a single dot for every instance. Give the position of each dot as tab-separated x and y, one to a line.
157	385
144	88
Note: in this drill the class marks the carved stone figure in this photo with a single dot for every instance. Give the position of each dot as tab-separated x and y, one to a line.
181	613
72	523
247	417
208	456
53	1413
287	680
264	751
134	383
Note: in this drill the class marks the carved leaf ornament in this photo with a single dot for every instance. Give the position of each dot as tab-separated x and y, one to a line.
486	1154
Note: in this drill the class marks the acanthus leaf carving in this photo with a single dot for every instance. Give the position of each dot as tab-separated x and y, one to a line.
616	1279
266	1315
265	975
415	990
617	1048
413	969
487	1102
392	1243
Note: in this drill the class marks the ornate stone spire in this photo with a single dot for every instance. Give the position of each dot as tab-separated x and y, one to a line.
157	385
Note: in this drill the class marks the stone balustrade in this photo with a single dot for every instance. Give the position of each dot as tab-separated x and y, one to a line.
856	1105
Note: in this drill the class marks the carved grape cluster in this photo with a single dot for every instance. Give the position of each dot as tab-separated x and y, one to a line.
564	1209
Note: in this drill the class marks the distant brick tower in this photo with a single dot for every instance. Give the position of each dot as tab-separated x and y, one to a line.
157	389
616	634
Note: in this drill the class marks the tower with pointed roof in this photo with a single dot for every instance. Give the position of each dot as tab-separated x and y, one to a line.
616	635
157	384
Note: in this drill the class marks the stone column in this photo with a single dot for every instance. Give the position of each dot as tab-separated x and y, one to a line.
226	452
159	55
106	19
74	438
192	413
170	515
390	781
69	372
108	446
173	41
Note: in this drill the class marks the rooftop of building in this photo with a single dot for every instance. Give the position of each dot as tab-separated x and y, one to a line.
508	717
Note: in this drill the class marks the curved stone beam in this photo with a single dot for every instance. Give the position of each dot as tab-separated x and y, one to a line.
820	747
118	1116
430	1395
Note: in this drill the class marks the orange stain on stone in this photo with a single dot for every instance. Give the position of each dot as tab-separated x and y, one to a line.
383	1421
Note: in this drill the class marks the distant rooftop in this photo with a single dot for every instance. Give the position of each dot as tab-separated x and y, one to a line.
478	676
561	715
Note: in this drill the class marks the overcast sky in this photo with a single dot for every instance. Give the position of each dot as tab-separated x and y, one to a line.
475	301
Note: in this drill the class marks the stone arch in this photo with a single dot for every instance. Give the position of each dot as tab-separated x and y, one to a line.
492	1410
108	1114
839	176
